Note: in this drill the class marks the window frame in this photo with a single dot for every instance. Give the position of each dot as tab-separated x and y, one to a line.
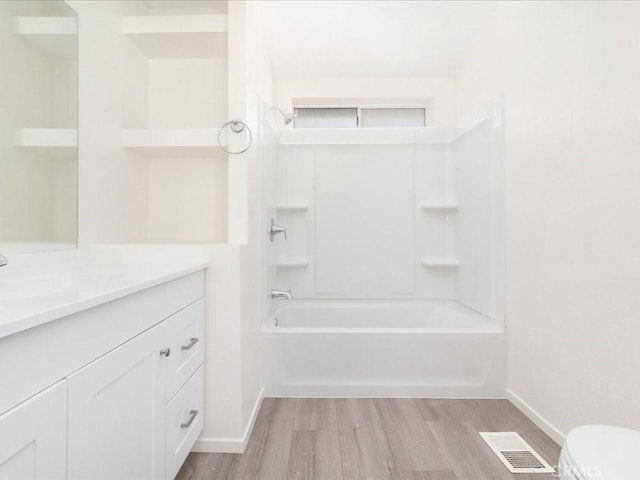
426	105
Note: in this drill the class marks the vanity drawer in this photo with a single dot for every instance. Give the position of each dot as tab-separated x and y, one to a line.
184	422
185	338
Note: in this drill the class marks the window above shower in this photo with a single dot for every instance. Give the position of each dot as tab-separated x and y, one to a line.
353	113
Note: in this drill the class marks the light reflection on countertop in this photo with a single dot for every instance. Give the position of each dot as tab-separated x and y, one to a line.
41	287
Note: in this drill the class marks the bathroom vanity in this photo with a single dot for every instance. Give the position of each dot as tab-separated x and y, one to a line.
101	374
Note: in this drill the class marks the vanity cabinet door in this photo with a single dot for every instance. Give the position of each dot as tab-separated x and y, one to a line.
116	413
33	437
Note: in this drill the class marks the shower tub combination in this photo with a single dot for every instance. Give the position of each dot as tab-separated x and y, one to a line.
378	348
384	225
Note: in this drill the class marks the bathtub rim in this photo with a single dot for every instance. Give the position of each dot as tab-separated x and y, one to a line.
487	325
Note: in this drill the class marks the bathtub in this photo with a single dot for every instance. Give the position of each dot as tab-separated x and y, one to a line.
377	348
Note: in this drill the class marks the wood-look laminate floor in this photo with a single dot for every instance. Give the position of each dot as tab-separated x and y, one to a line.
373	439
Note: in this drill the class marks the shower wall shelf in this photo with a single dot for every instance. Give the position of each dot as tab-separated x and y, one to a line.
445	262
439	207
293	263
178	142
178	36
292	207
55	36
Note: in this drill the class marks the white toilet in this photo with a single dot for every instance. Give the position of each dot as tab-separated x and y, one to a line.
597	452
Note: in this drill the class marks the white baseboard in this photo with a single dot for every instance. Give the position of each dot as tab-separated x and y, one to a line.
238	445
219	445
544	425
230	445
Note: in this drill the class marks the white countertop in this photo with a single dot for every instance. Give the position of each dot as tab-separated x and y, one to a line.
37	288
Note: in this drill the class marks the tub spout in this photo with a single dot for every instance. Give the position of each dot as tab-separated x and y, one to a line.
282	294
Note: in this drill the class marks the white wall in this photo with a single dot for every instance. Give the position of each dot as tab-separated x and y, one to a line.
364	220
258	92
478	174
234	385
184	192
570	76
440	89
365	231
112	91
364	234
268	160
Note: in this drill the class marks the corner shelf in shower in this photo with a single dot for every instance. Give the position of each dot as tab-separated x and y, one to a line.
178	36
292	207
293	263
55	36
439	207
444	262
173	143
57	141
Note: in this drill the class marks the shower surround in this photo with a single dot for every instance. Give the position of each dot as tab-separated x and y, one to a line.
394	254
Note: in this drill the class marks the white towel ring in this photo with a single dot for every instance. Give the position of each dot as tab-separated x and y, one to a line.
236	126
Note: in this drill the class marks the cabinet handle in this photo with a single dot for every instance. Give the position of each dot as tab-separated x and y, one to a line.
191	344
192	416
165	352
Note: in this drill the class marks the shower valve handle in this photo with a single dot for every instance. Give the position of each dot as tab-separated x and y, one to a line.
275	230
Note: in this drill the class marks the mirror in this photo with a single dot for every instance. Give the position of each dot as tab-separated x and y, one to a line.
38	125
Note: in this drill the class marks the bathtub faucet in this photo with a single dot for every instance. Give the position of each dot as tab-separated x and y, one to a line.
281	294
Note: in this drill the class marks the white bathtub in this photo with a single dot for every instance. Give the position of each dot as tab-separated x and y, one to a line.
378	348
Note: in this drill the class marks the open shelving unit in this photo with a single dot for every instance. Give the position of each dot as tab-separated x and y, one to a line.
184	101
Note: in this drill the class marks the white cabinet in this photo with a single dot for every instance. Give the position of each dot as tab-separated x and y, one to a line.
120	425
128	402
33	437
116	413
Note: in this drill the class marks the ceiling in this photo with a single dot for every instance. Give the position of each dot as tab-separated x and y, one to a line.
374	38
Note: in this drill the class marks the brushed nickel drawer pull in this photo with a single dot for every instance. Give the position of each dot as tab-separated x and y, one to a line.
191	344
193	414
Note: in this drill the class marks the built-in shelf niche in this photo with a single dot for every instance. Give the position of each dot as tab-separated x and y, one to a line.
292	207
440	262
183	48
55	36
293	263
178	36
180	142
